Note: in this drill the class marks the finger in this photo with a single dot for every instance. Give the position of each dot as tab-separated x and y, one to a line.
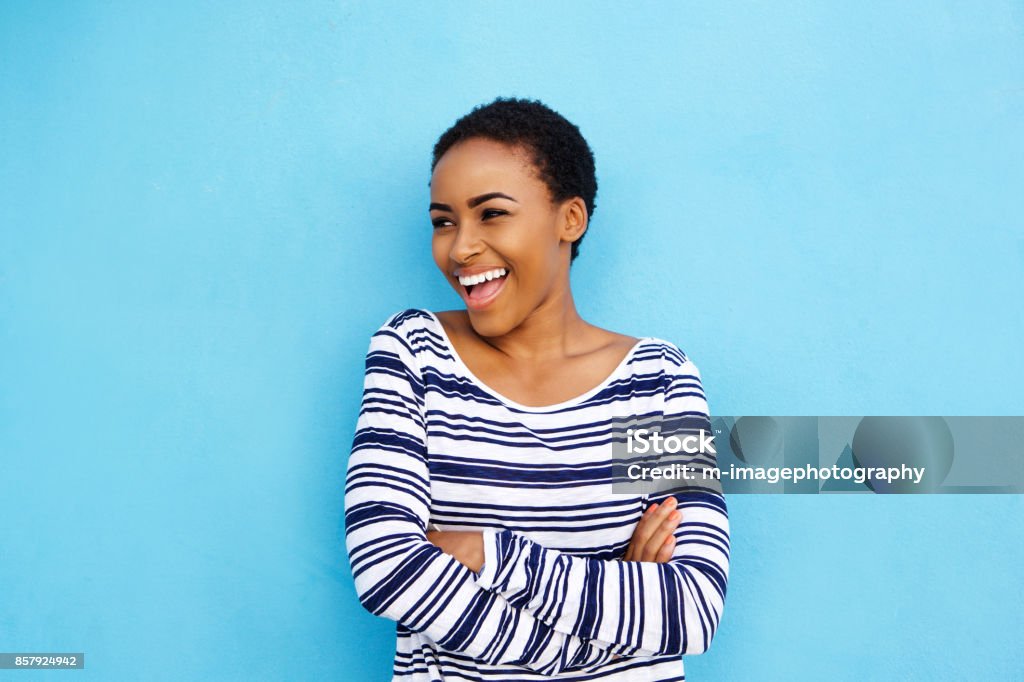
631	548
667	535
648	533
664	510
628	556
650	521
670	502
647	527
666	551
666	529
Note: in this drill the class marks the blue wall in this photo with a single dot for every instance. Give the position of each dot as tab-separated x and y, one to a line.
207	208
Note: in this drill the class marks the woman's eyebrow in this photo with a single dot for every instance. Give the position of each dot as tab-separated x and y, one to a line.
475	201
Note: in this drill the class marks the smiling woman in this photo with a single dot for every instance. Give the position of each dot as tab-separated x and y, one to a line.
479	507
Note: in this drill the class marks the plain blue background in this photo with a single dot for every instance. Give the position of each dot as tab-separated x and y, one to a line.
207	208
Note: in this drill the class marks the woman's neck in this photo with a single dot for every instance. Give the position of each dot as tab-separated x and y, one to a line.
552	332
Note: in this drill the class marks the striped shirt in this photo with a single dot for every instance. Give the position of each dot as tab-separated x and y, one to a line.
435	445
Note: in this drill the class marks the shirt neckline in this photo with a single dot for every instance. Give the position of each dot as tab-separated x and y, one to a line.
457	359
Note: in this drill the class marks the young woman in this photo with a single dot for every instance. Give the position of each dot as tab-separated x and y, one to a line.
479	507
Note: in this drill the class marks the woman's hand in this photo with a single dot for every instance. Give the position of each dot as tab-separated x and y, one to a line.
467	546
654	537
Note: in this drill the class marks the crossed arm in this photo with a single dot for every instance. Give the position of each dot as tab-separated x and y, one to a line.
653	538
495	595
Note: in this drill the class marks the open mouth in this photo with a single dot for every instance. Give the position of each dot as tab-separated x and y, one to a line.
483	287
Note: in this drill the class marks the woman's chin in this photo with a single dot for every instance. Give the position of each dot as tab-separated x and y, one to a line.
490	323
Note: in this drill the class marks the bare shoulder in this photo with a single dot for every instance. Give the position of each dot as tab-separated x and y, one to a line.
613	342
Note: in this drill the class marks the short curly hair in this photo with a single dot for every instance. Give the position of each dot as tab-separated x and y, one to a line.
562	157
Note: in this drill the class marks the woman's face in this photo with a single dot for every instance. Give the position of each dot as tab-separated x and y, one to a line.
490	213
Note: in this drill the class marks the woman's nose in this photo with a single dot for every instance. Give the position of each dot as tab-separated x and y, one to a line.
466	245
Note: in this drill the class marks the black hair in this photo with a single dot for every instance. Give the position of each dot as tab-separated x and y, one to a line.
560	154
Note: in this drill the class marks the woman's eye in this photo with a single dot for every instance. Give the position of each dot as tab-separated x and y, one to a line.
488	213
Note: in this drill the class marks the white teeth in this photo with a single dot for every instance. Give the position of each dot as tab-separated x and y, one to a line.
470	280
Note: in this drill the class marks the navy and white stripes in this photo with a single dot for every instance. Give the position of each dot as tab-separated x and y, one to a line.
434	444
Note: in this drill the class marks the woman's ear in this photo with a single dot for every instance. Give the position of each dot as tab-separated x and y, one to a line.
574	219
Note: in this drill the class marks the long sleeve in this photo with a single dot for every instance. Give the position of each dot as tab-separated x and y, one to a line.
398	573
637	608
